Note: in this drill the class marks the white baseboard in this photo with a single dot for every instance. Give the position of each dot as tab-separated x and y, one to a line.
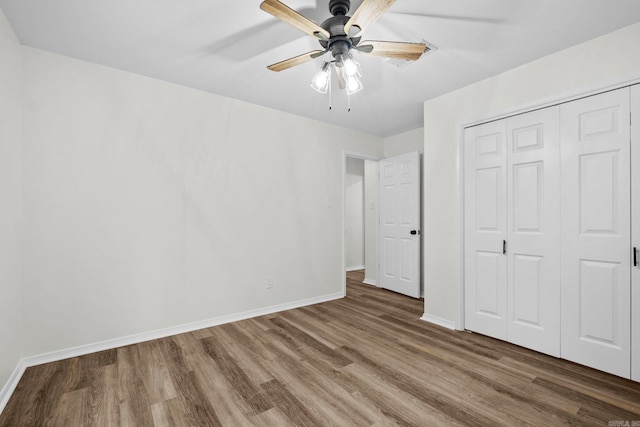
11	384
55	356
370	282
174	330
355	268
439	321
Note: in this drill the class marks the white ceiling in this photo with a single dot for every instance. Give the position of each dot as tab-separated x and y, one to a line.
224	47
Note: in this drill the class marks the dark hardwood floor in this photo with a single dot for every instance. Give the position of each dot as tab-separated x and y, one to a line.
365	360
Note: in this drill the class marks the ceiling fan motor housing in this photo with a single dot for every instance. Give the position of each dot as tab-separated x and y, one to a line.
338	40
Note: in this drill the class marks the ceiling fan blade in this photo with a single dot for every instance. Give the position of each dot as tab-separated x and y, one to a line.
290	16
296	60
368	13
397	50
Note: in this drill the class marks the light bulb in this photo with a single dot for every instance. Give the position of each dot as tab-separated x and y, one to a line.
350	67
353	84
320	80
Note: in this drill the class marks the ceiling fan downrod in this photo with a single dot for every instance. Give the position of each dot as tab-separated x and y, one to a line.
339	7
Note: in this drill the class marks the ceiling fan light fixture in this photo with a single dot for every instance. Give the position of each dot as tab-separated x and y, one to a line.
353	84
350	66
322	79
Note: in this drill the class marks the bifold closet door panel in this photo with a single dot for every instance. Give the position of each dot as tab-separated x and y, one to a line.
635	232
485	223
596	206
533	237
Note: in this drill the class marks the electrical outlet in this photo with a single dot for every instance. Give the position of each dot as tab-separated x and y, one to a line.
269	282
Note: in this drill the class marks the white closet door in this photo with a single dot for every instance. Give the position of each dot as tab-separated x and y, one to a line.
485	229
533	239
595	164
635	236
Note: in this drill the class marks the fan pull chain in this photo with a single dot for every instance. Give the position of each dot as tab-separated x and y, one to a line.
330	92
348	103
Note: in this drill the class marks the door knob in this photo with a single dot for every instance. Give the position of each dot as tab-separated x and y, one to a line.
415	232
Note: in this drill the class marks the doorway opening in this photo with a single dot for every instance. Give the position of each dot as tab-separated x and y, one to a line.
381	221
360	218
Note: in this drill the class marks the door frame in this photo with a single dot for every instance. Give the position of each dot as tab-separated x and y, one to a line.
343	239
595	89
635	237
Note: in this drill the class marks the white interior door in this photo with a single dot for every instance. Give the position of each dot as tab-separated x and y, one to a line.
596	209
533	238
400	224
635	232
485	226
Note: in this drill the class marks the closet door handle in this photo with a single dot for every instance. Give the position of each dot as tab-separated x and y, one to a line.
635	256
504	247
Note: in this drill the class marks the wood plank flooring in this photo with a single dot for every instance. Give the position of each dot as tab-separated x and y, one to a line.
365	360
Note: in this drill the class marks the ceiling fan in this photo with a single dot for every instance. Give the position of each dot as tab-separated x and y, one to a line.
340	34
